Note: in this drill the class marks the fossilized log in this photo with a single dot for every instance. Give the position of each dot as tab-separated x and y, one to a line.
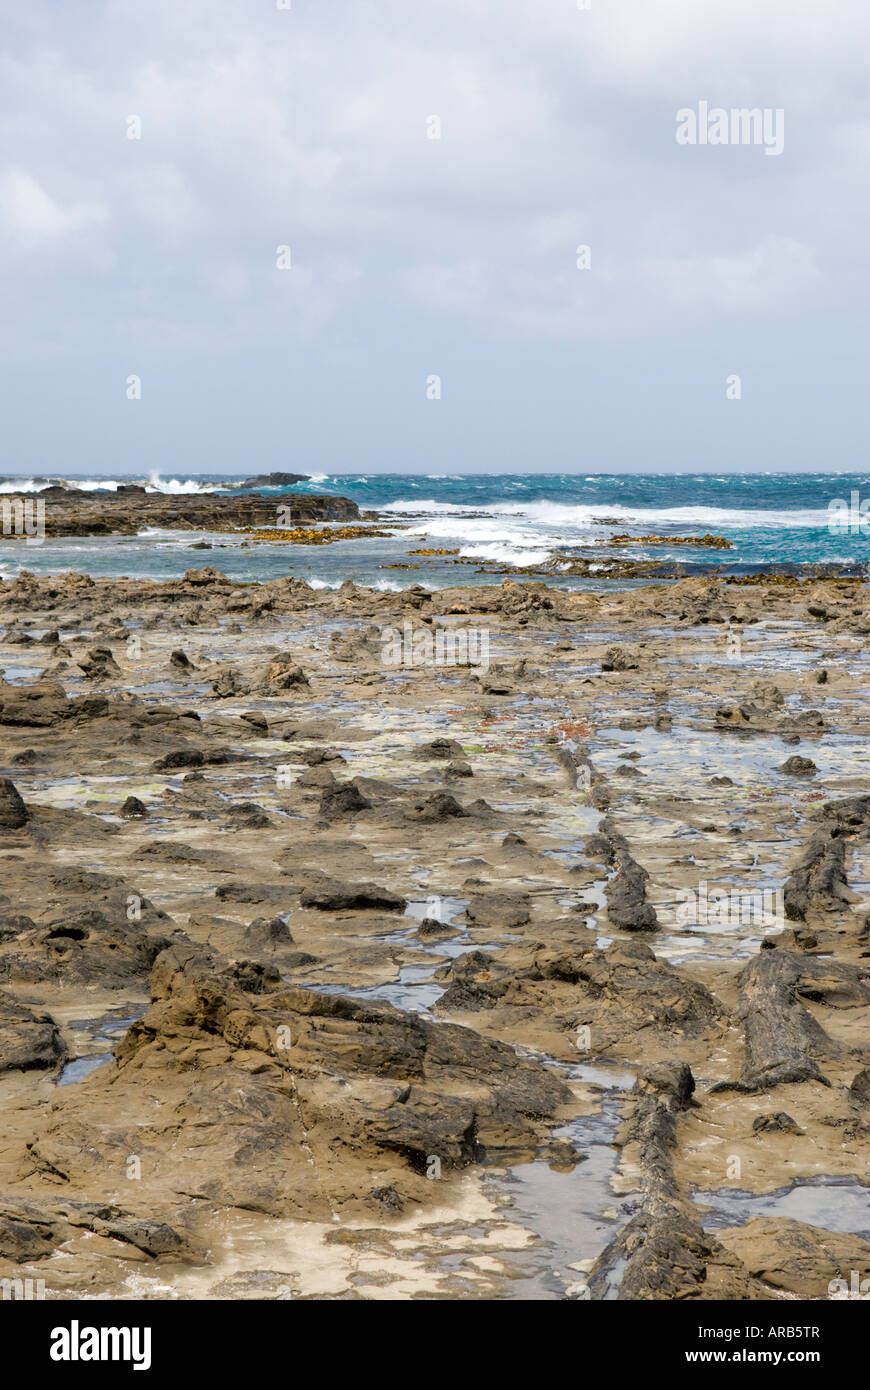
782	1038
663	1252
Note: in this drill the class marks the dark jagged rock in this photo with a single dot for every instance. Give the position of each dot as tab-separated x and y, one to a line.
13	812
437	807
87	946
343	799
798	767
439	748
782	1038
331	895
778	1123
274	480
99	664
35	706
268	934
620	659
663	1252
476	981
625	893
257	1073
282	674
76	512
28	1041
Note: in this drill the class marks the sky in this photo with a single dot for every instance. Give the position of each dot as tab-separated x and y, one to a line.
310	126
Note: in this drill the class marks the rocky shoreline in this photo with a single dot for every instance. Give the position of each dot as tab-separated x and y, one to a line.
321	971
130	509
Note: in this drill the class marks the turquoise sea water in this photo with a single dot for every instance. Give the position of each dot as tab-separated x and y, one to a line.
514	521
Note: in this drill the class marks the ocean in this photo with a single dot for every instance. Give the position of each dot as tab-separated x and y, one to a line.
528	525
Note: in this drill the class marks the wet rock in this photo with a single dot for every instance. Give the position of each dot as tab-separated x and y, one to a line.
620	659
736	717
315	757
86	946
625	895
248	815
672	1081
13	812
99	664
386	1199
274	480
207	575
283	674
496	681
626	988
849	813
359	647
181	661
500	911
26	1233
601	848
782	1038
798	767
808	721
181	757
435	808
154	1238
257	1074
235	892
766	694
319	776
473	981
819	879
13	924
779	1123
431	929
797	1259
439	748
268	934
229	684
28	1041
39	705
28	757
333	895
859	1090
663	1251
342	799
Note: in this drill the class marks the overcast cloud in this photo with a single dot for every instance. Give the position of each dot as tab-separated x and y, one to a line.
412	257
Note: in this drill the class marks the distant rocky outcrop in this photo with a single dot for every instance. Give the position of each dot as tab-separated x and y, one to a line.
74	512
274	480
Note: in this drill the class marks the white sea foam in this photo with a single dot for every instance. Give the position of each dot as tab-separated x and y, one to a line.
562	515
79	484
177	487
508	554
172	486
